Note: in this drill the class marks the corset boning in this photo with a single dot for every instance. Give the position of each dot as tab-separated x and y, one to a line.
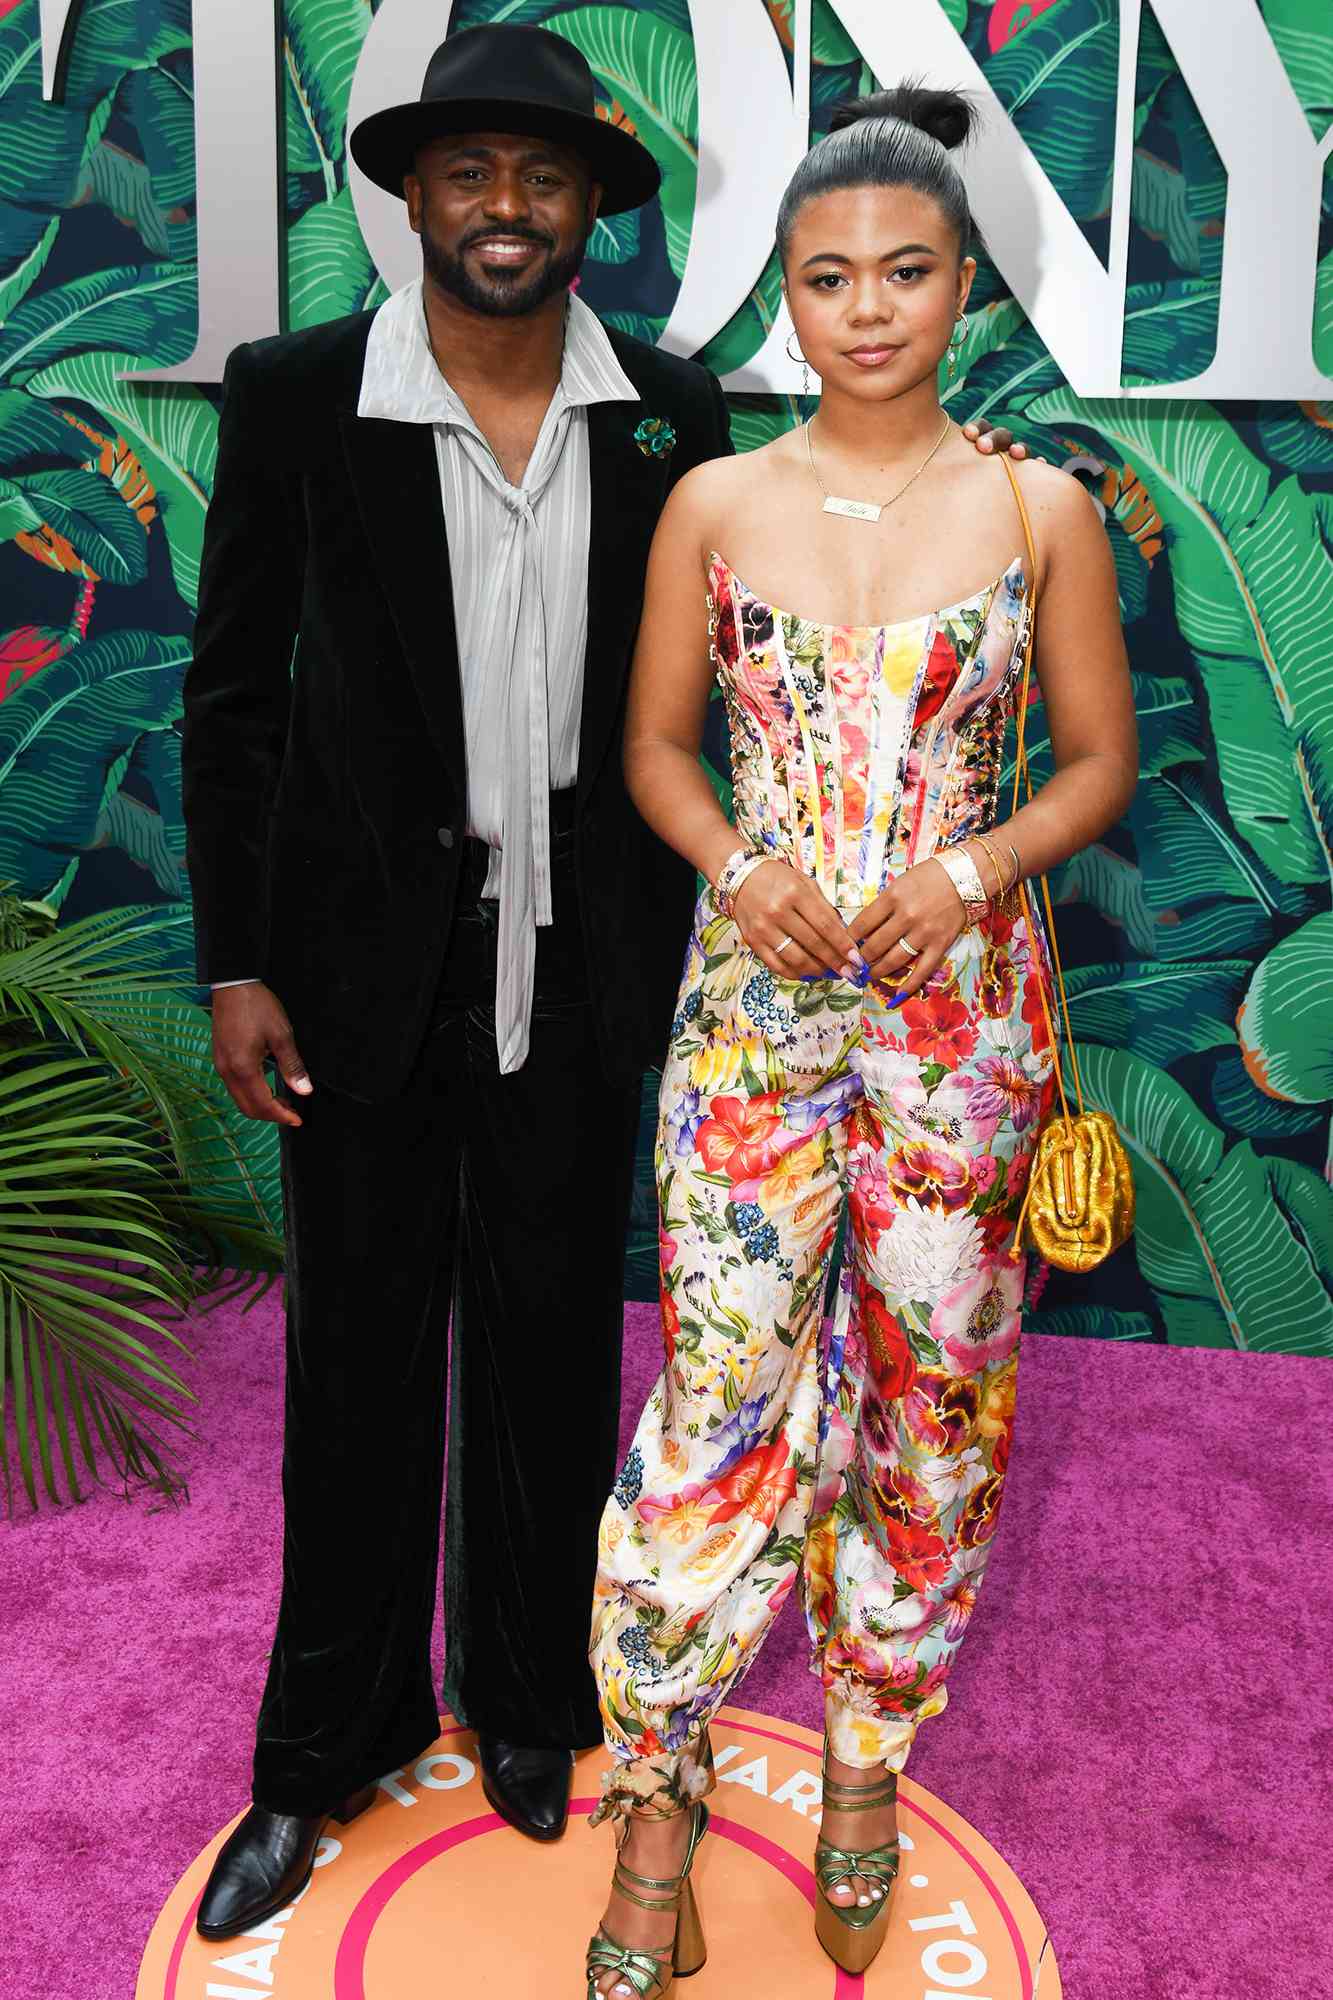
857	750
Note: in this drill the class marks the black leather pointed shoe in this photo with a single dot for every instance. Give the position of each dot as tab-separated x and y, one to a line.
264	1863
529	1788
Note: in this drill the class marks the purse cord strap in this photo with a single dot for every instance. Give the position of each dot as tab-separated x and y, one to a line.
1023	778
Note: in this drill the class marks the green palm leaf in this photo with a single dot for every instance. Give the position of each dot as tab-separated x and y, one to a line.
1160	207
108	988
66	736
329	269
1253	598
1204	176
1301	437
749	326
45	145
1286	1024
988	330
1170	727
321	44
102	1242
26	241
88	511
1300	34
1103	879
647	327
757	420
1186	852
1303	1196
1208	1226
1090	1323
1168	329
109	41
151	315
1057	80
1161	1011
123	184
174	431
160	102
29	430
615	238
649	66
1248	1110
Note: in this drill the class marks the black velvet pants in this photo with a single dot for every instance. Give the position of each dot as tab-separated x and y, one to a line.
504	1201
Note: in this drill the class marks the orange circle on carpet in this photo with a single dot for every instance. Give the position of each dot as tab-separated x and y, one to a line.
431	1892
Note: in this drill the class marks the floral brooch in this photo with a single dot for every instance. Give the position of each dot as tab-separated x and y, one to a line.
655	437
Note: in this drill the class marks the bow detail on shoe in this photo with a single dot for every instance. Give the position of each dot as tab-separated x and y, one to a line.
642	1968
834	1865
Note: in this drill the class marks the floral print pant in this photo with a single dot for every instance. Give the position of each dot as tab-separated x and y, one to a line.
867	1461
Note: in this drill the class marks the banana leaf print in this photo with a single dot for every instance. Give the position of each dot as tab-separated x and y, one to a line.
1197	933
648	66
66	739
174	432
1241	1105
320	45
1210	1234
1283	1027
1056	80
77	522
329	271
1253	595
150	315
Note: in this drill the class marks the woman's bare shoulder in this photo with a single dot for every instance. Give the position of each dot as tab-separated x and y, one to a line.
711	494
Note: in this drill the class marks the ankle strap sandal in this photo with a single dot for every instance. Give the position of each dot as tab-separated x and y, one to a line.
648	1970
852	1933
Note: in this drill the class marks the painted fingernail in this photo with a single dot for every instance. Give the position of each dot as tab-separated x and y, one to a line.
850	971
898	1002
855	956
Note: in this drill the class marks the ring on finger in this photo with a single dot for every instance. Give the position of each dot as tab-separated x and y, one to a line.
912	950
782	944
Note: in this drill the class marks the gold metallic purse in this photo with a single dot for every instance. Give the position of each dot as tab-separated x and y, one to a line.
1079	1204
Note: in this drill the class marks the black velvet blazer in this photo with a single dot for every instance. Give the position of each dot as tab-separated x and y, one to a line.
323	753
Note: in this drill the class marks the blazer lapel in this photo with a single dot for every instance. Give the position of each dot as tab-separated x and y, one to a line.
395	474
628	493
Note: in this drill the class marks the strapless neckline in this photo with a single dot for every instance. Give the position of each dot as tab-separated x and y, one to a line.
890	625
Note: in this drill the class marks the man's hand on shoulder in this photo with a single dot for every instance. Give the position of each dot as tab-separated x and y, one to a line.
991	438
250	1025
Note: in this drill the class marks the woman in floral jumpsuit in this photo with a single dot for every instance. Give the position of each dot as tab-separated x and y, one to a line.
848	1049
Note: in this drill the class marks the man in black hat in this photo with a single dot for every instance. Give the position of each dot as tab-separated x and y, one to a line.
422	892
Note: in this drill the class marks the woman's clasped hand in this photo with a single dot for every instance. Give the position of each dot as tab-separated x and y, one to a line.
899	939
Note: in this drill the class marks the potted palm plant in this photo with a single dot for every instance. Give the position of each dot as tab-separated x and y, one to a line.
128	1195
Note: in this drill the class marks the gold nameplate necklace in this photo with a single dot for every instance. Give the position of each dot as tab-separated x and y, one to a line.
866	510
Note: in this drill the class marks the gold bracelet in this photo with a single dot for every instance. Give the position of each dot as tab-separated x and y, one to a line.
1002	887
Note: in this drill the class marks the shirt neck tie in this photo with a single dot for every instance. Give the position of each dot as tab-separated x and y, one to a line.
521	870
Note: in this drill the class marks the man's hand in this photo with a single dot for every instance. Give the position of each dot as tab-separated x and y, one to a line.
249	1025
990	438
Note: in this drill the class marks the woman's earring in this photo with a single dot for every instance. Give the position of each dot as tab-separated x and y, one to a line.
956	339
805	365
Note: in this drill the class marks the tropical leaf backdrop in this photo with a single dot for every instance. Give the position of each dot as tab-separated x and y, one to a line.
1199	931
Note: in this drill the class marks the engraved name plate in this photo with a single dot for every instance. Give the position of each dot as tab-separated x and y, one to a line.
855	510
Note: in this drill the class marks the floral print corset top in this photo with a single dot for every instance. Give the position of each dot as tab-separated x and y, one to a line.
858	749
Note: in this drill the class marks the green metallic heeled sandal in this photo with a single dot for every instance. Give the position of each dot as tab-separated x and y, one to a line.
648	1971
852	1933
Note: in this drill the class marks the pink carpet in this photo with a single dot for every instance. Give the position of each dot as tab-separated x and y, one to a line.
1140	1718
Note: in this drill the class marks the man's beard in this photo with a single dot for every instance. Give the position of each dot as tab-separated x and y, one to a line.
499	294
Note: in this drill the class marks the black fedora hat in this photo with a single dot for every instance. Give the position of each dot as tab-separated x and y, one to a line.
502	79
